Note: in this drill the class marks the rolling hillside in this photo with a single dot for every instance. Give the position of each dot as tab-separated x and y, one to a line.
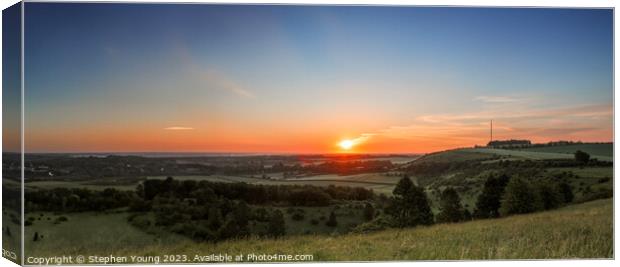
601	151
577	231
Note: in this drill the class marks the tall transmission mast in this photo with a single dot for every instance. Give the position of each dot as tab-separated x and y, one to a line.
491	131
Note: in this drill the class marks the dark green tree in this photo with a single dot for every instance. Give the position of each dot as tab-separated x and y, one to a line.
369	212
550	195
403	187
489	201
520	197
410	205
276	227
233	226
582	157
214	221
298	215
261	215
451	209
467	215
241	218
567	191
203	195
332	222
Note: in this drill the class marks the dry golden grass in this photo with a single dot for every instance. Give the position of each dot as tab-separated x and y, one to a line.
578	231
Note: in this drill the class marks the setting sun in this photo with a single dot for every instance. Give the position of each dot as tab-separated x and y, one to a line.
346	144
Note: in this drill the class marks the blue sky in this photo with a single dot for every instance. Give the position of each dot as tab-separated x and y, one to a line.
244	77
11	81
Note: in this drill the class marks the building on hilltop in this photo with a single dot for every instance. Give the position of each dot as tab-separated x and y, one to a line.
509	143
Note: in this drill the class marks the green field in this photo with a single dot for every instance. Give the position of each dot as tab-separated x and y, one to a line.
592	172
99	233
77	184
603	152
11	242
380	183
577	231
11	218
464	154
520	154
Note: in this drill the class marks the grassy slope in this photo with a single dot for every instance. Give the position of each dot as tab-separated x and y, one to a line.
456	155
579	231
98	233
602	152
522	154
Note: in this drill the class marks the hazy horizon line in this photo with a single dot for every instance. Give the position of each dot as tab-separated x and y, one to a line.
222	153
264	153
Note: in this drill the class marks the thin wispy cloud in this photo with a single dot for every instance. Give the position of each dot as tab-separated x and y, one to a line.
571	122
496	99
210	77
221	81
178	128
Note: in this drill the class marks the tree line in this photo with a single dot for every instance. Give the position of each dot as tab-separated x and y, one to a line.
427	171
295	195
501	196
212	211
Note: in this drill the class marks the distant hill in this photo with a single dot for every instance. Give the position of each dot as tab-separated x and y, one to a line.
599	151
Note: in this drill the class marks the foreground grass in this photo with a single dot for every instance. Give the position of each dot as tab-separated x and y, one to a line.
578	231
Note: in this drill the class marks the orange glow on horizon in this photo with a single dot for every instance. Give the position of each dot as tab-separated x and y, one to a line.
228	134
135	140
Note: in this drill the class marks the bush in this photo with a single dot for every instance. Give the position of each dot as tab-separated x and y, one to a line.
377	224
567	192
276	227
369	212
297	216
261	215
332	222
139	205
582	157
551	195
140	222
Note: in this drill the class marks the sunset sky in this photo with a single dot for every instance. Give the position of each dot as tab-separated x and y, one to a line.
282	79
